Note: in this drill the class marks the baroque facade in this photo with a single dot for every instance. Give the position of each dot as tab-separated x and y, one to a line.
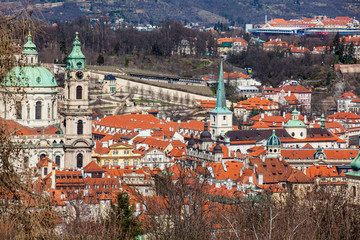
29	110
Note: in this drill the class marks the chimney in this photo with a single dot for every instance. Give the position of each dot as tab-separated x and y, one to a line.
305	119
251	179
262	116
49	165
261	179
53	181
289	93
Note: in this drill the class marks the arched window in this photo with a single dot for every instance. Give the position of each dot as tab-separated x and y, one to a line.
78	92
38	110
79	160
57	160
80	127
18	109
42	156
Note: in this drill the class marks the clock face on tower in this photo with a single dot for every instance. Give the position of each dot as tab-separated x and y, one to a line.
79	74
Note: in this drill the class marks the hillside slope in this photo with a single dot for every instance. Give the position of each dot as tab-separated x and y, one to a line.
203	11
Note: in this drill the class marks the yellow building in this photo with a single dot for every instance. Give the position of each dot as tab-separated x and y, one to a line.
118	154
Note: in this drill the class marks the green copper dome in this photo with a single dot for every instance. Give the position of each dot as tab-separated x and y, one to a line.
76	59
29	46
30	76
318	153
273	140
295	122
355	165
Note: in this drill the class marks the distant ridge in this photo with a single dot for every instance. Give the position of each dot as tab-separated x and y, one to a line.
202	11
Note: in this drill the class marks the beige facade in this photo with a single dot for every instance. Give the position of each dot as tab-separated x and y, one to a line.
120	154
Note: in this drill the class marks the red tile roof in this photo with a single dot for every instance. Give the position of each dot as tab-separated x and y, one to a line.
235	76
93	167
348	95
323	171
294	89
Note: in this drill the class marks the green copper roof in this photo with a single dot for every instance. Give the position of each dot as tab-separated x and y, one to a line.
30	76
76	51
76	59
29	46
273	140
322	121
318	153
355	165
295	122
220	95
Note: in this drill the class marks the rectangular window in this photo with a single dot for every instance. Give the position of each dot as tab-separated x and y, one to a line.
126	163
106	163
18	109
115	163
115	152
135	163
126	152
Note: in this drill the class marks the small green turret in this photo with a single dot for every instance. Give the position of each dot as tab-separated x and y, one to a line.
76	59
322	121
29	46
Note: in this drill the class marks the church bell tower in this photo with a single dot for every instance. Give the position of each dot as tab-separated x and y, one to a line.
220	116
76	112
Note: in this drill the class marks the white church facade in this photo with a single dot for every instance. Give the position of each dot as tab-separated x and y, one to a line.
29	110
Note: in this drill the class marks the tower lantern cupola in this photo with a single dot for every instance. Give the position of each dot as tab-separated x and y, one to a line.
76	59
29	52
273	146
322	121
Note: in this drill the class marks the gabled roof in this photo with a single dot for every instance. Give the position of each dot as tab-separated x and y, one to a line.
292	100
276	171
93	167
322	171
235	76
348	95
44	162
294	89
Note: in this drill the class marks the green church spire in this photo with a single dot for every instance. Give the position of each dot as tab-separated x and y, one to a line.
76	59
29	46
220	95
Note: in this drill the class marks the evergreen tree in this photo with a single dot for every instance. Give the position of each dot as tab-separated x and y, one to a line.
100	60
122	219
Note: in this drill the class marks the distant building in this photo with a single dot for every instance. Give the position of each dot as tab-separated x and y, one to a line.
275	45
231	45
343	102
258	103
